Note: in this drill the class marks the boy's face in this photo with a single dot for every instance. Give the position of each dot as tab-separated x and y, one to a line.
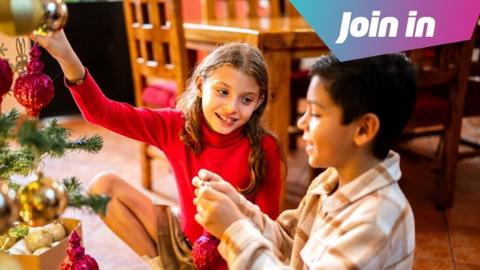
328	142
229	97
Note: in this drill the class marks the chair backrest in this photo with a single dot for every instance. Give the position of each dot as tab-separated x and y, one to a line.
442	75
216	9
432	62
442	80
156	43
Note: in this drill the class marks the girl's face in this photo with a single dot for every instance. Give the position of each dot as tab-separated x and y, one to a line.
229	98
328	141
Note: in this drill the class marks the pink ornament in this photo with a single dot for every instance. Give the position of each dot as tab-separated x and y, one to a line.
34	90
75	253
6	78
74	239
76	258
205	254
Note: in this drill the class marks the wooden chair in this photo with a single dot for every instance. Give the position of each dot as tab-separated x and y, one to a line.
443	73
158	56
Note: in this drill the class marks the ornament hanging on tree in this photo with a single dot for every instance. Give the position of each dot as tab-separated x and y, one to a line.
205	253
42	201
34	90
8	207
6	78
76	258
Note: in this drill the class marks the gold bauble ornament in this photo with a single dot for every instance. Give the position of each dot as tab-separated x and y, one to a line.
56	230
42	201
38	239
8	207
20	17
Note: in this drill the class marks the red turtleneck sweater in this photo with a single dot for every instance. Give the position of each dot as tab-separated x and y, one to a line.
227	155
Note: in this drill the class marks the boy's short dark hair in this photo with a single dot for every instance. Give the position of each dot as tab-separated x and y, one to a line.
383	85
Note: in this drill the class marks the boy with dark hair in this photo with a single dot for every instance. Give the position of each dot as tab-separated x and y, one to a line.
354	215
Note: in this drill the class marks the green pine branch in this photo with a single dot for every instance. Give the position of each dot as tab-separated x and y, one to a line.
15	162
54	139
36	141
96	203
7	123
91	144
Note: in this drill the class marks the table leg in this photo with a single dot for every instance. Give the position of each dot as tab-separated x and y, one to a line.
277	114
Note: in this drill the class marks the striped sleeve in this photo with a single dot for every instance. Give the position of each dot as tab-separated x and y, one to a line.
244	247
259	240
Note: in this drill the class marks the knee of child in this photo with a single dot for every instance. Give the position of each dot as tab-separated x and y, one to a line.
103	183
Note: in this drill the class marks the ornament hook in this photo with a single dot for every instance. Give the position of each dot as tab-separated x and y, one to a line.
21	59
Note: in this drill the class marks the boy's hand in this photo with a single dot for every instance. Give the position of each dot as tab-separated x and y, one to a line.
215	210
216	182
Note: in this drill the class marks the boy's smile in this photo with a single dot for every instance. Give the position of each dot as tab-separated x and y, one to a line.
229	97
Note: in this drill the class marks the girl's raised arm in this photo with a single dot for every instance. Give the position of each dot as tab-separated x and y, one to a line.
57	45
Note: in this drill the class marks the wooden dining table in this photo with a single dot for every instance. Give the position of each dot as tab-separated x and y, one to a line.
281	40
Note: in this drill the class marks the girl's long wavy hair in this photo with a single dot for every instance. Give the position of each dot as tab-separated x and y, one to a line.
248	60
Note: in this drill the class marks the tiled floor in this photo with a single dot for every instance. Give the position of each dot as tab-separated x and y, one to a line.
445	240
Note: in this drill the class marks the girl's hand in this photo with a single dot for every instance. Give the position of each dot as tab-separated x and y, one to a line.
216	182
57	45
215	210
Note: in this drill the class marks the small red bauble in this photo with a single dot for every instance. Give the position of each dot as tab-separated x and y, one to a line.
34	90
205	254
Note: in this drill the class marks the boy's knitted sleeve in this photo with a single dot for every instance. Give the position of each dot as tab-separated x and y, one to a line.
260	238
155	127
244	247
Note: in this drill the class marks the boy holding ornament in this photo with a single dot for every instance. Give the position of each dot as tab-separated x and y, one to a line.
354	215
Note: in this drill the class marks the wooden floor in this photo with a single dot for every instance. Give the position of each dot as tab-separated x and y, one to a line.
445	240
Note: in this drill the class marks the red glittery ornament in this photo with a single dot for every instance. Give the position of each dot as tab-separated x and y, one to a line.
205	254
34	90
6	78
76	258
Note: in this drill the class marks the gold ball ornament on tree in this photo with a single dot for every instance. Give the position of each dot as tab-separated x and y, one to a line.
42	201
22	17
8	207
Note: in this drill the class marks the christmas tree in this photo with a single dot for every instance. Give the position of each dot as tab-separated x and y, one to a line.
35	141
25	144
23	147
